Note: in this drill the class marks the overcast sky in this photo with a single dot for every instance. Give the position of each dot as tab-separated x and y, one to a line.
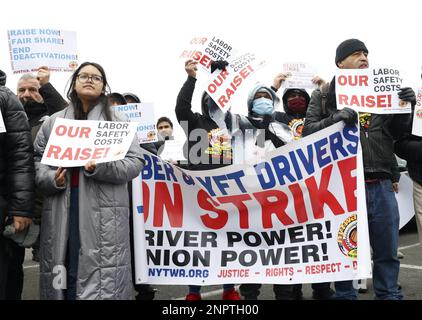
138	42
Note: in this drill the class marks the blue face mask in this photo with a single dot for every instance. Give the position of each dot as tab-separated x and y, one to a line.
263	106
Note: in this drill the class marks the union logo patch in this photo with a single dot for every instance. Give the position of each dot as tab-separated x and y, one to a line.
347	237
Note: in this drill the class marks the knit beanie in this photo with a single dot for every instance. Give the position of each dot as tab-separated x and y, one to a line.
348	47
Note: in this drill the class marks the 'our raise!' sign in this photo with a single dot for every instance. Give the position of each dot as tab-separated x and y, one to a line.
370	90
73	143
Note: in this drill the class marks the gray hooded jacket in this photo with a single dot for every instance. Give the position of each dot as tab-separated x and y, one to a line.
104	258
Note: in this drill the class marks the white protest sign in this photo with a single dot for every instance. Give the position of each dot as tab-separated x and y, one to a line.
143	114
299	75
372	90
223	85
33	48
206	49
405	199
2	126
417	117
296	216
73	143
172	151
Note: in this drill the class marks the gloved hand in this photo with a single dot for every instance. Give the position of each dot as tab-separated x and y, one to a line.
349	116
407	94
220	64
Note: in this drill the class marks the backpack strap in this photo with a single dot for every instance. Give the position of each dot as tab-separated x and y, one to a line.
324	96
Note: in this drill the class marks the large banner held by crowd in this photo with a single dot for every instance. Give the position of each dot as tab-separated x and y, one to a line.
292	217
143	114
32	48
372	90
72	143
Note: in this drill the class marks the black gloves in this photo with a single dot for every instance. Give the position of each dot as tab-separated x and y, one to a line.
349	116
407	94
220	64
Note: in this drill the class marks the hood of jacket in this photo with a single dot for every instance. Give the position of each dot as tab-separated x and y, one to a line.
258	87
286	93
2	78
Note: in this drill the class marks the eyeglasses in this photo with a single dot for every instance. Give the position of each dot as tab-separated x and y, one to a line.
95	79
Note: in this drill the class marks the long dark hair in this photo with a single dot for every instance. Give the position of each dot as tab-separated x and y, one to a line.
77	103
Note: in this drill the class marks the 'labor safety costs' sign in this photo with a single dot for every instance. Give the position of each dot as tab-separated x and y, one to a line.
372	90
73	143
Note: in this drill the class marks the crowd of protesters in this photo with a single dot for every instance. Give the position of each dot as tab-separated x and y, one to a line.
81	218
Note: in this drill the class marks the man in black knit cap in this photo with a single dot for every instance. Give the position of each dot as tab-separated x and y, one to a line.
377	135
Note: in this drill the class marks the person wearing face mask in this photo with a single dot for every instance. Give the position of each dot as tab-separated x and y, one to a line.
295	104
260	131
262	115
208	143
40	100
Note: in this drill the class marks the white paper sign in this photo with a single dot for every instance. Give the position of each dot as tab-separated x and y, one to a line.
299	75
224	85
372	90
73	143
172	151
33	48
143	114
206	49
417	117
2	126
405	199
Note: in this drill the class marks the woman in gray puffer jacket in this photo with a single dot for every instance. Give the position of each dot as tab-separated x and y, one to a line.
85	230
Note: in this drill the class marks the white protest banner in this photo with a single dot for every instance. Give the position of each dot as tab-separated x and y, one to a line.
73	143
223	85
371	90
293	217
405	199
206	49
33	48
417	117
143	114
172	151
299	75
2	126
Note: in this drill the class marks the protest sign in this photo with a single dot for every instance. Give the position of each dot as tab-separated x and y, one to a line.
224	84
172	151
299	75
417	117
72	143
293	217
206	49
371	90
33	48
2	126
143	114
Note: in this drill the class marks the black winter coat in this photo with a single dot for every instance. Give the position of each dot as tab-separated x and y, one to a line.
214	152
17	172
377	140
